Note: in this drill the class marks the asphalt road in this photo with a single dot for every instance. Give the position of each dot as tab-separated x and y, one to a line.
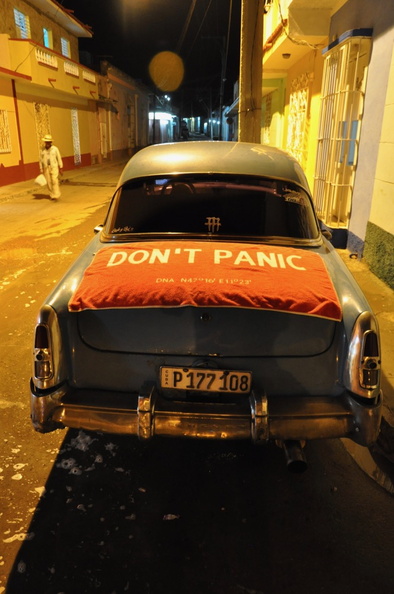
81	512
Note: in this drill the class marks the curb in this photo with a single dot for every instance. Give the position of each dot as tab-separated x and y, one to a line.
373	463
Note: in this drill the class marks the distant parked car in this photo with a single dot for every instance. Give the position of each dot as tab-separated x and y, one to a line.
209	305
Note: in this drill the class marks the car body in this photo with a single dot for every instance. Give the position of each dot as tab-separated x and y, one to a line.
209	305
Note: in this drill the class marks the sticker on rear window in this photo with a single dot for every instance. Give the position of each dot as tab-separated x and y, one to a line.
295	197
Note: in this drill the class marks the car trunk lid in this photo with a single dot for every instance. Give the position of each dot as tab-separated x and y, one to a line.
205	332
202	298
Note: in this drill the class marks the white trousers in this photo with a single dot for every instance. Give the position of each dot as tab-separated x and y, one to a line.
52	177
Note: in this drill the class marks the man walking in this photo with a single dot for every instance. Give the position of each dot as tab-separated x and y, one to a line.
50	165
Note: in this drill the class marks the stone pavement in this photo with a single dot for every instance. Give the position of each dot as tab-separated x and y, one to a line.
378	460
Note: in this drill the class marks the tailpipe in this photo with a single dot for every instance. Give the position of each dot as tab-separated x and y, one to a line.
295	458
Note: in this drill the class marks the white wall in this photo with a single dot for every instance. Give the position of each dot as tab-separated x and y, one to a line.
382	211
371	131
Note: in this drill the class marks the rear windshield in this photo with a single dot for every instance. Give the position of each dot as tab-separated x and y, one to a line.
224	206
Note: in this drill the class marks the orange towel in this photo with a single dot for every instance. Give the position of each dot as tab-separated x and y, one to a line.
208	274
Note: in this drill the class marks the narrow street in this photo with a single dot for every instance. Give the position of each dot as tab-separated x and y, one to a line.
83	512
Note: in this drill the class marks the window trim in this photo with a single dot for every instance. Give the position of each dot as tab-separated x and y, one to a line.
22	23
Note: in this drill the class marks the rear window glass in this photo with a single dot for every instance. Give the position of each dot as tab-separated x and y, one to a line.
212	205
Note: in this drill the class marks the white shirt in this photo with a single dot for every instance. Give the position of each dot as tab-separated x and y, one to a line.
51	158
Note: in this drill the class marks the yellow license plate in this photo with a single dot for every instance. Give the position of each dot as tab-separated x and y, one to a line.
205	380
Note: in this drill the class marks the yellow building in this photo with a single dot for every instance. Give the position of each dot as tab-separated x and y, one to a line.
45	90
326	68
295	33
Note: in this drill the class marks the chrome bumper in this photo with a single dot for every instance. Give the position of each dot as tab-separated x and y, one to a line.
258	418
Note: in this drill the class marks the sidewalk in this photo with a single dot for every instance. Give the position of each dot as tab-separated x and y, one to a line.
29	187
378	460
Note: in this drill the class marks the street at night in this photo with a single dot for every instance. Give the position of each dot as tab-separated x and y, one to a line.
85	512
197	385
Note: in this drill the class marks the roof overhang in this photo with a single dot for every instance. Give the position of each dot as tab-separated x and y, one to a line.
65	18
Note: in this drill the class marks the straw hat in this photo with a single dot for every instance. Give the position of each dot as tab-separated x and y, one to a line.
47	138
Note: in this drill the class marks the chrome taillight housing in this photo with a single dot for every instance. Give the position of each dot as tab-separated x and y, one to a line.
43	364
47	369
362	371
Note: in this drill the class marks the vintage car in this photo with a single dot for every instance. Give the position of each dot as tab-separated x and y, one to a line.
210	304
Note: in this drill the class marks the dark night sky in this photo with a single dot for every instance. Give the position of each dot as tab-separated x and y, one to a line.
128	33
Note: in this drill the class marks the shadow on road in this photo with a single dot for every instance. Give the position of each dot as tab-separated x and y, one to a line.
37	196
203	518
119	516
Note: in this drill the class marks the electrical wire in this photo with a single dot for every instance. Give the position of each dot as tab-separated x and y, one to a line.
230	12
186	26
199	29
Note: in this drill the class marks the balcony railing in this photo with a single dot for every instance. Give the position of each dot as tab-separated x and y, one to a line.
89	76
71	68
44	57
48	68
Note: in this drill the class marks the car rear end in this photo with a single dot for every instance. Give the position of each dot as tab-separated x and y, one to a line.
177	363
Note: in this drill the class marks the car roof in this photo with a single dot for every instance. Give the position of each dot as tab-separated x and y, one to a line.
220	157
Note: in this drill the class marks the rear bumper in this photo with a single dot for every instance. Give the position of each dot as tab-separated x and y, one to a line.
258	418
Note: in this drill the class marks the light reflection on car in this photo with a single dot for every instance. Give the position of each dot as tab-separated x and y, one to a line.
210	305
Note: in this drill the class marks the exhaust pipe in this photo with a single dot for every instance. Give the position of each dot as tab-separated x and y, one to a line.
295	458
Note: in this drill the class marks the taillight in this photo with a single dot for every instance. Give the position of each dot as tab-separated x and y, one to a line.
370	361
362	373
48	357
43	365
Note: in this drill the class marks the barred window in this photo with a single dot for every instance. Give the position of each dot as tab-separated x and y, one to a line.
267	111
43	123
65	45
342	105
22	23
297	132
75	133
5	137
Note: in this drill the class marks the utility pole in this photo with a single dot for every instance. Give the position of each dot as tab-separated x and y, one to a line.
251	71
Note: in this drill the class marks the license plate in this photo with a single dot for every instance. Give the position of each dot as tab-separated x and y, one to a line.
205	380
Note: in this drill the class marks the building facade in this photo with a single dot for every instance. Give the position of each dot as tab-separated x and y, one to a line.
328	93
122	113
45	90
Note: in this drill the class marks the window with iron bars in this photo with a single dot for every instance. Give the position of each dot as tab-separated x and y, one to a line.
297	131
342	104
22	23
76	140
65	47
5	137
